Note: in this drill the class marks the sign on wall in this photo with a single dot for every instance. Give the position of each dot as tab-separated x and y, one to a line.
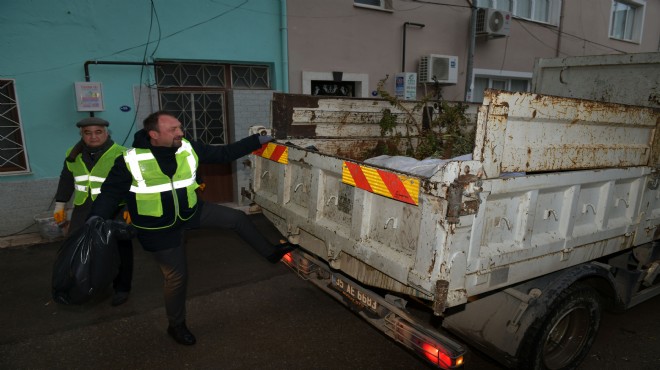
406	85
89	96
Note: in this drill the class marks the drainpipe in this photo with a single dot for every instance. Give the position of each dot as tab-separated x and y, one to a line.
561	23
285	47
405	25
470	56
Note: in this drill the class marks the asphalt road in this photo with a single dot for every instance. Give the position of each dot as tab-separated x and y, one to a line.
245	313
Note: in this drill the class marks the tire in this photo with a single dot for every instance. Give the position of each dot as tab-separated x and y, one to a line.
563	337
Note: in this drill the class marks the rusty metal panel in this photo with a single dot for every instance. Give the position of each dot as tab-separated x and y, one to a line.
282	107
618	78
303	116
351	148
522	132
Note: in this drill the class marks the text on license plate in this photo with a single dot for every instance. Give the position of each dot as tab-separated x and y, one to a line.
354	293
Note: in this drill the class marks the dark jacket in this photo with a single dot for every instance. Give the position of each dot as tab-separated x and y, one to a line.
117	184
66	184
89	156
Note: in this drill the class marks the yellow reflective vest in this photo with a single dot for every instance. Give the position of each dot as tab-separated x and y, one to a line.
159	201
89	182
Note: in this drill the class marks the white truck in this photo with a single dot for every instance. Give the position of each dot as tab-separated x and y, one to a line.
518	249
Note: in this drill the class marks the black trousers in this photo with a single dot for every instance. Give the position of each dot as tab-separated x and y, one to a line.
173	262
122	282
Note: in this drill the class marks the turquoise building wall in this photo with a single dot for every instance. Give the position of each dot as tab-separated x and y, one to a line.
46	44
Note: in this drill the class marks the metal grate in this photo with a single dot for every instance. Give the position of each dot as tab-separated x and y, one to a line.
250	77
13	158
195	93
190	75
202	114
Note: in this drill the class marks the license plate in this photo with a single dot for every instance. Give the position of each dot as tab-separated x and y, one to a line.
354	293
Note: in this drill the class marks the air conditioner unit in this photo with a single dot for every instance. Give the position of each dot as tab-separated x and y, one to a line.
434	68
493	22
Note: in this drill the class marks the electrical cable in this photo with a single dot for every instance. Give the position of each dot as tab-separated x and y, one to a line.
30	225
153	14
236	7
443	4
131	47
506	45
534	36
19	231
551	28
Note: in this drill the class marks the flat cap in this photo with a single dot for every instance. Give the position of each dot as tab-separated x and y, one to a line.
92	121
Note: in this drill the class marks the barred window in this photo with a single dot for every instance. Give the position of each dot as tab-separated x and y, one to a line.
190	75
250	77
13	158
196	94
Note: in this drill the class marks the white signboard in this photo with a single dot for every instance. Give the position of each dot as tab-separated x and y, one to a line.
89	96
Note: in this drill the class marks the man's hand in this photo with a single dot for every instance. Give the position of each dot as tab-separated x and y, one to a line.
59	214
263	139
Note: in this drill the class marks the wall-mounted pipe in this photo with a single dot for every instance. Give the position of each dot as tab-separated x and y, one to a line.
405	26
119	63
284	36
470	57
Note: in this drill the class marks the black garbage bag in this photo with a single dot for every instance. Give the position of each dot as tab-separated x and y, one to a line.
87	262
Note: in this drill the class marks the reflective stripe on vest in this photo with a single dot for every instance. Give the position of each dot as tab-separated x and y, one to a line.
133	160
86	180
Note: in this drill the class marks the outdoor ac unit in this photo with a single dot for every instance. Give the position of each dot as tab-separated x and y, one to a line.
442	69
493	22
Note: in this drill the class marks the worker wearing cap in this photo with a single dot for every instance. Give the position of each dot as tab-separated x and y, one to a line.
85	168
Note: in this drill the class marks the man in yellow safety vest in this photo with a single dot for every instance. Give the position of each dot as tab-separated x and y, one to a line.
157	177
86	167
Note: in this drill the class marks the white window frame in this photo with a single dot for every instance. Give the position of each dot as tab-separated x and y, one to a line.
495	4
13	106
553	12
637	21
361	81
496	74
385	5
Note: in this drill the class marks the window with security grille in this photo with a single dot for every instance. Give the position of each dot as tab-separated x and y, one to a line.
196	94
333	88
250	77
201	114
190	75
13	158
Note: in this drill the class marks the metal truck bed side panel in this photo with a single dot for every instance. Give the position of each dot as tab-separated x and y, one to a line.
523	132
474	227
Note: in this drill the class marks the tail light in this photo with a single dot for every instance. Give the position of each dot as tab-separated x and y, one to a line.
424	345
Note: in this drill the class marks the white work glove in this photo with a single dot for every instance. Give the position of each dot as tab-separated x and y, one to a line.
59	214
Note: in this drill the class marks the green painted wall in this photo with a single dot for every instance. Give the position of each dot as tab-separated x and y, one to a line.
46	43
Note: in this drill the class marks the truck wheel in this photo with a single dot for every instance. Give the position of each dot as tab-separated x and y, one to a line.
563	337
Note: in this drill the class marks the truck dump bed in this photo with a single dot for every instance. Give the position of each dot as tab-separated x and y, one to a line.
553	182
